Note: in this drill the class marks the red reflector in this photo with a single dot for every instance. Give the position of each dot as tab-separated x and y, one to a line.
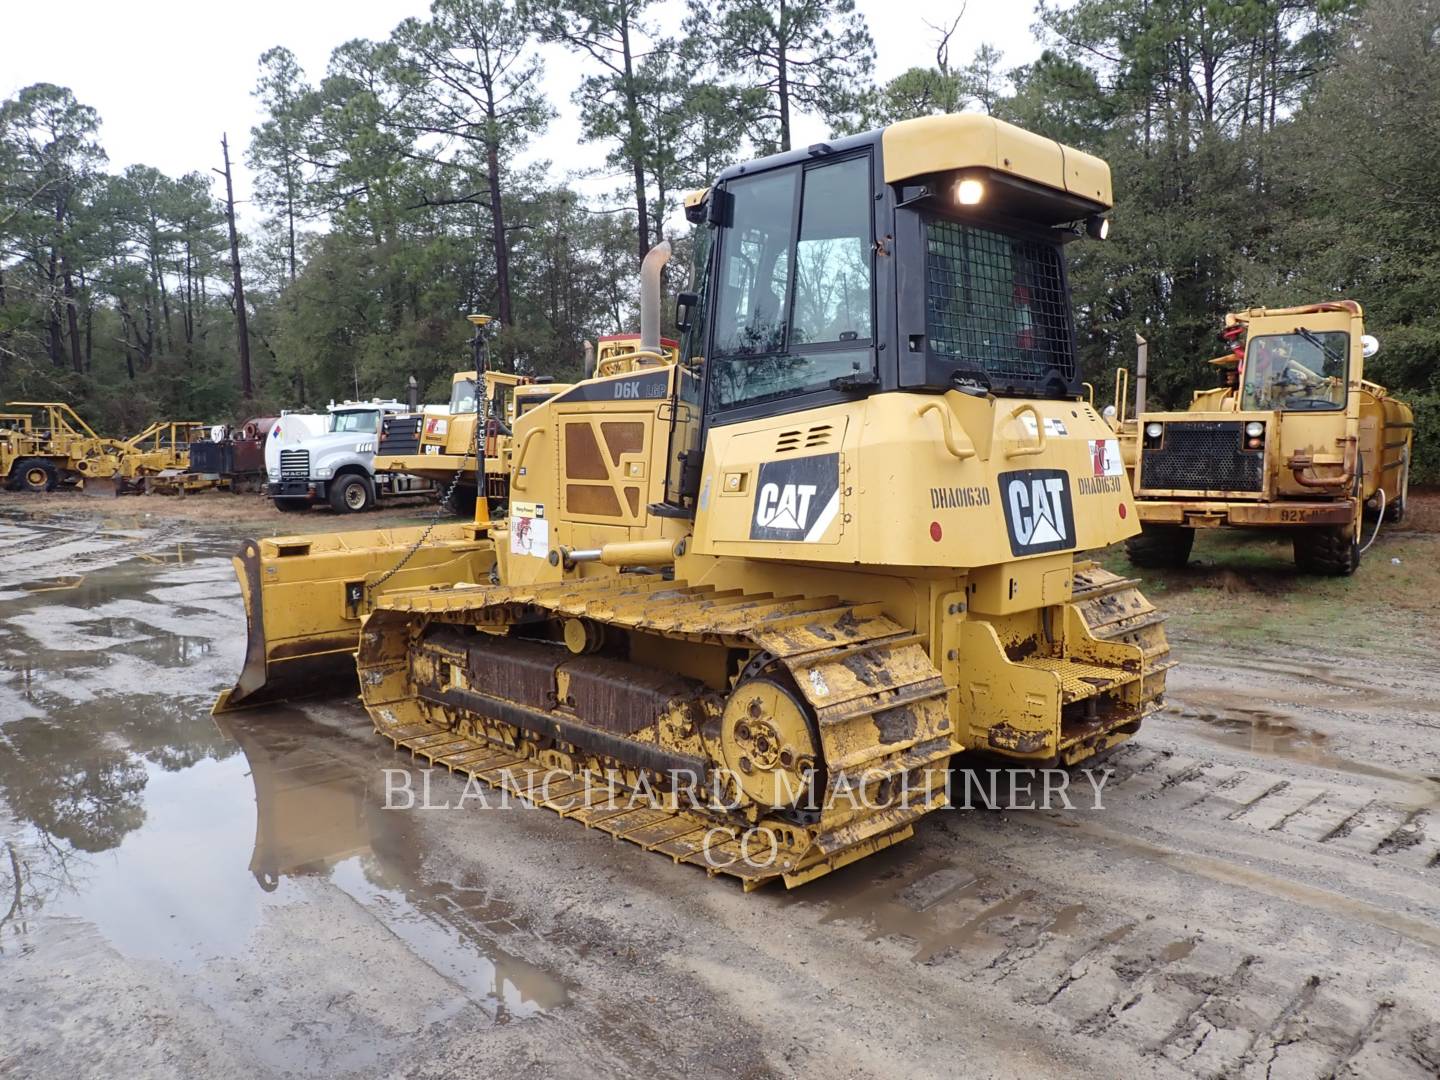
935	532
1122	510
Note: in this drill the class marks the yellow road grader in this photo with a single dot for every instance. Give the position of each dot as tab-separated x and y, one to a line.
744	607
1296	439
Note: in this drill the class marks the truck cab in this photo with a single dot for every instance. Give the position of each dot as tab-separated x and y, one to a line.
338	466
1294	438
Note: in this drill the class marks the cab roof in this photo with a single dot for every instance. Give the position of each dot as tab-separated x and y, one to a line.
927	145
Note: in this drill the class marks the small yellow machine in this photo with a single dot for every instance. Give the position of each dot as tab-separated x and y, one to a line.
445	448
448	448
1296	439
744	608
158	459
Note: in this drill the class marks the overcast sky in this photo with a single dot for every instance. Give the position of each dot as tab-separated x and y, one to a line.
169	76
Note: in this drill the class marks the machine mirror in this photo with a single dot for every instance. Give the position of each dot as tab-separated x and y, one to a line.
1369	346
683	303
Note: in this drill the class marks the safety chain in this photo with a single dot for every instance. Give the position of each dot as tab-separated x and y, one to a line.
472	450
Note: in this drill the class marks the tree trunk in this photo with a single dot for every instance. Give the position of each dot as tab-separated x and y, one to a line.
782	49
189	315
242	329
167	335
77	359
57	353
290	207
636	146
497	217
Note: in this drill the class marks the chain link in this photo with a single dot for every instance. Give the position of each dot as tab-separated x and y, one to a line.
473	450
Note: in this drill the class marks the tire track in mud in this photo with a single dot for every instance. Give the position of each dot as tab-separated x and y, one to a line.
1230	914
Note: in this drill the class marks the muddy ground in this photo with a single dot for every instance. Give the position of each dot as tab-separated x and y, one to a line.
1259	896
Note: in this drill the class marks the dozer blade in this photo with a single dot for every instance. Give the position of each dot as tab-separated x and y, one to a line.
104	486
305	597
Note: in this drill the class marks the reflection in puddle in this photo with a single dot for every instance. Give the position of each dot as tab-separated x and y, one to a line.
154	830
316	816
134	827
55	584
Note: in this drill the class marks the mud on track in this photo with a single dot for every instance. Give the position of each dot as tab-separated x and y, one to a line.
1260	895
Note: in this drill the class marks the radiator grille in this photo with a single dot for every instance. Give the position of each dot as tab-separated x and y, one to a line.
294	464
400	435
1202	455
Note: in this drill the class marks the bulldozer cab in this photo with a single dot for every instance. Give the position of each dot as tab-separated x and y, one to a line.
898	261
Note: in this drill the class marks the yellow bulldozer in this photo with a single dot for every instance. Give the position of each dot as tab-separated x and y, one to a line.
743	608
1295	439
158	459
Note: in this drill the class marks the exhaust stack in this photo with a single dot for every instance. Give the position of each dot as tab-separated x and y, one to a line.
650	270
1142	373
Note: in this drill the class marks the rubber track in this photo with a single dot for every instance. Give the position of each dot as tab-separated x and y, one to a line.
857	669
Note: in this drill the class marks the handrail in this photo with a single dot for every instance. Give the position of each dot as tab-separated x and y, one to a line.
1039	447
1122	394
956	450
517	475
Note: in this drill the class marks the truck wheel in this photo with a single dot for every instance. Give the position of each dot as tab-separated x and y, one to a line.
292	506
36	474
1327	549
1395	511
1161	546
351	495
461	501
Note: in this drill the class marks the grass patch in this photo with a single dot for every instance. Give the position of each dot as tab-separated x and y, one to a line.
1241	589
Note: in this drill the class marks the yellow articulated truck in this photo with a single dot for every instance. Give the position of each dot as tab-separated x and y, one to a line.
1296	439
743	608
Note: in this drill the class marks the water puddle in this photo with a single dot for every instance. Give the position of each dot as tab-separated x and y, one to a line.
1271	734
1178	950
177	841
1067	919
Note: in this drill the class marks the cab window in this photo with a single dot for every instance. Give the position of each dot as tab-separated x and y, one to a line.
1299	372
795	303
462	396
354	421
